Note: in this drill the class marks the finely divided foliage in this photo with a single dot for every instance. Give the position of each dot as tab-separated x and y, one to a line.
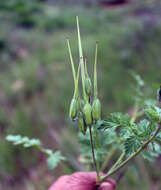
128	134
53	157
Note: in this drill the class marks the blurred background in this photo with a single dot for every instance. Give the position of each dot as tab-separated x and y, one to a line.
36	82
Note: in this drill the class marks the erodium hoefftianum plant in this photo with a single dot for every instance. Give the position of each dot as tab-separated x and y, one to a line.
132	137
101	139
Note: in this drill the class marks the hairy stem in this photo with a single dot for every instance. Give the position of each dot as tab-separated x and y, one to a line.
132	156
93	154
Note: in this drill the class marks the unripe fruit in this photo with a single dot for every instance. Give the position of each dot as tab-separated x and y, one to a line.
88	86
87	111
73	109
81	124
81	104
96	109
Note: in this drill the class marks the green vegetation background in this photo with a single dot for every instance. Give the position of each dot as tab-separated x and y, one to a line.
36	80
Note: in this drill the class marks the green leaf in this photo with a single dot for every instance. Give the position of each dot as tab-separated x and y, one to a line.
108	123
156	148
145	128
116	120
125	132
146	155
25	141
54	159
152	152
137	78
158	137
153	113
132	144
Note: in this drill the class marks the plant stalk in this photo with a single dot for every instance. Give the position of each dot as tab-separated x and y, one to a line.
93	154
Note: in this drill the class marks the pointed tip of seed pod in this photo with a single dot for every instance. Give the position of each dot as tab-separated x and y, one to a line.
77	18
97	42
67	38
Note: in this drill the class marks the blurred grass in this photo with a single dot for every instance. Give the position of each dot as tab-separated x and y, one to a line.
35	76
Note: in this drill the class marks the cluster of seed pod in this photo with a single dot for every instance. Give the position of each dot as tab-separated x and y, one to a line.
86	110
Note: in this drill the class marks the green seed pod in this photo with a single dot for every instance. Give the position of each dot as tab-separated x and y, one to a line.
87	82
96	109
73	108
81	124
88	86
87	111
80	104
